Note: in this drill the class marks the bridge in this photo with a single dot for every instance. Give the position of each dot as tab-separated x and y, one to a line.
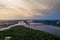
37	26
19	23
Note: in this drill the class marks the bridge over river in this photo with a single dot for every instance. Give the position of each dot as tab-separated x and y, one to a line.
38	26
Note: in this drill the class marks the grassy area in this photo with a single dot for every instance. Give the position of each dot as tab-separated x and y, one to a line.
22	33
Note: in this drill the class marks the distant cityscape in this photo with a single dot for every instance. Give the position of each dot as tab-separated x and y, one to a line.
6	23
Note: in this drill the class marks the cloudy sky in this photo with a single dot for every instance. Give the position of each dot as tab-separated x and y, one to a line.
30	9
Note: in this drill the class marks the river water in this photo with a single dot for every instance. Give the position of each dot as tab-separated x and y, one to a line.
47	28
39	26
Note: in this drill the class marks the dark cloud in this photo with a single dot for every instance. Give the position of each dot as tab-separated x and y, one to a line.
52	13
2	6
57	7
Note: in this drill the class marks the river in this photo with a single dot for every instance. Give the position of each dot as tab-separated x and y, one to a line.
39	26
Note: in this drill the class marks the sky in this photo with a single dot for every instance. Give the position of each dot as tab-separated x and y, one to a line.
30	9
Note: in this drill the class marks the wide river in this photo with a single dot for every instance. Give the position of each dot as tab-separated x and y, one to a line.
39	26
47	28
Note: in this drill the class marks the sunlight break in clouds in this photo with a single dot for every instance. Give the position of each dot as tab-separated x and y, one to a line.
24	9
15	9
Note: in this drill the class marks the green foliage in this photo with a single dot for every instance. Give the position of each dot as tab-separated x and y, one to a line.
22	33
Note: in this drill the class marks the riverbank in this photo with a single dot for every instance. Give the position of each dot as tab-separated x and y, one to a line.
22	33
38	26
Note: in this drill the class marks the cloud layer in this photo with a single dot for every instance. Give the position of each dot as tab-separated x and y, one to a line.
24	9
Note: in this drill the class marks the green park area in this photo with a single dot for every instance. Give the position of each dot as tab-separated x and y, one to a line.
22	33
